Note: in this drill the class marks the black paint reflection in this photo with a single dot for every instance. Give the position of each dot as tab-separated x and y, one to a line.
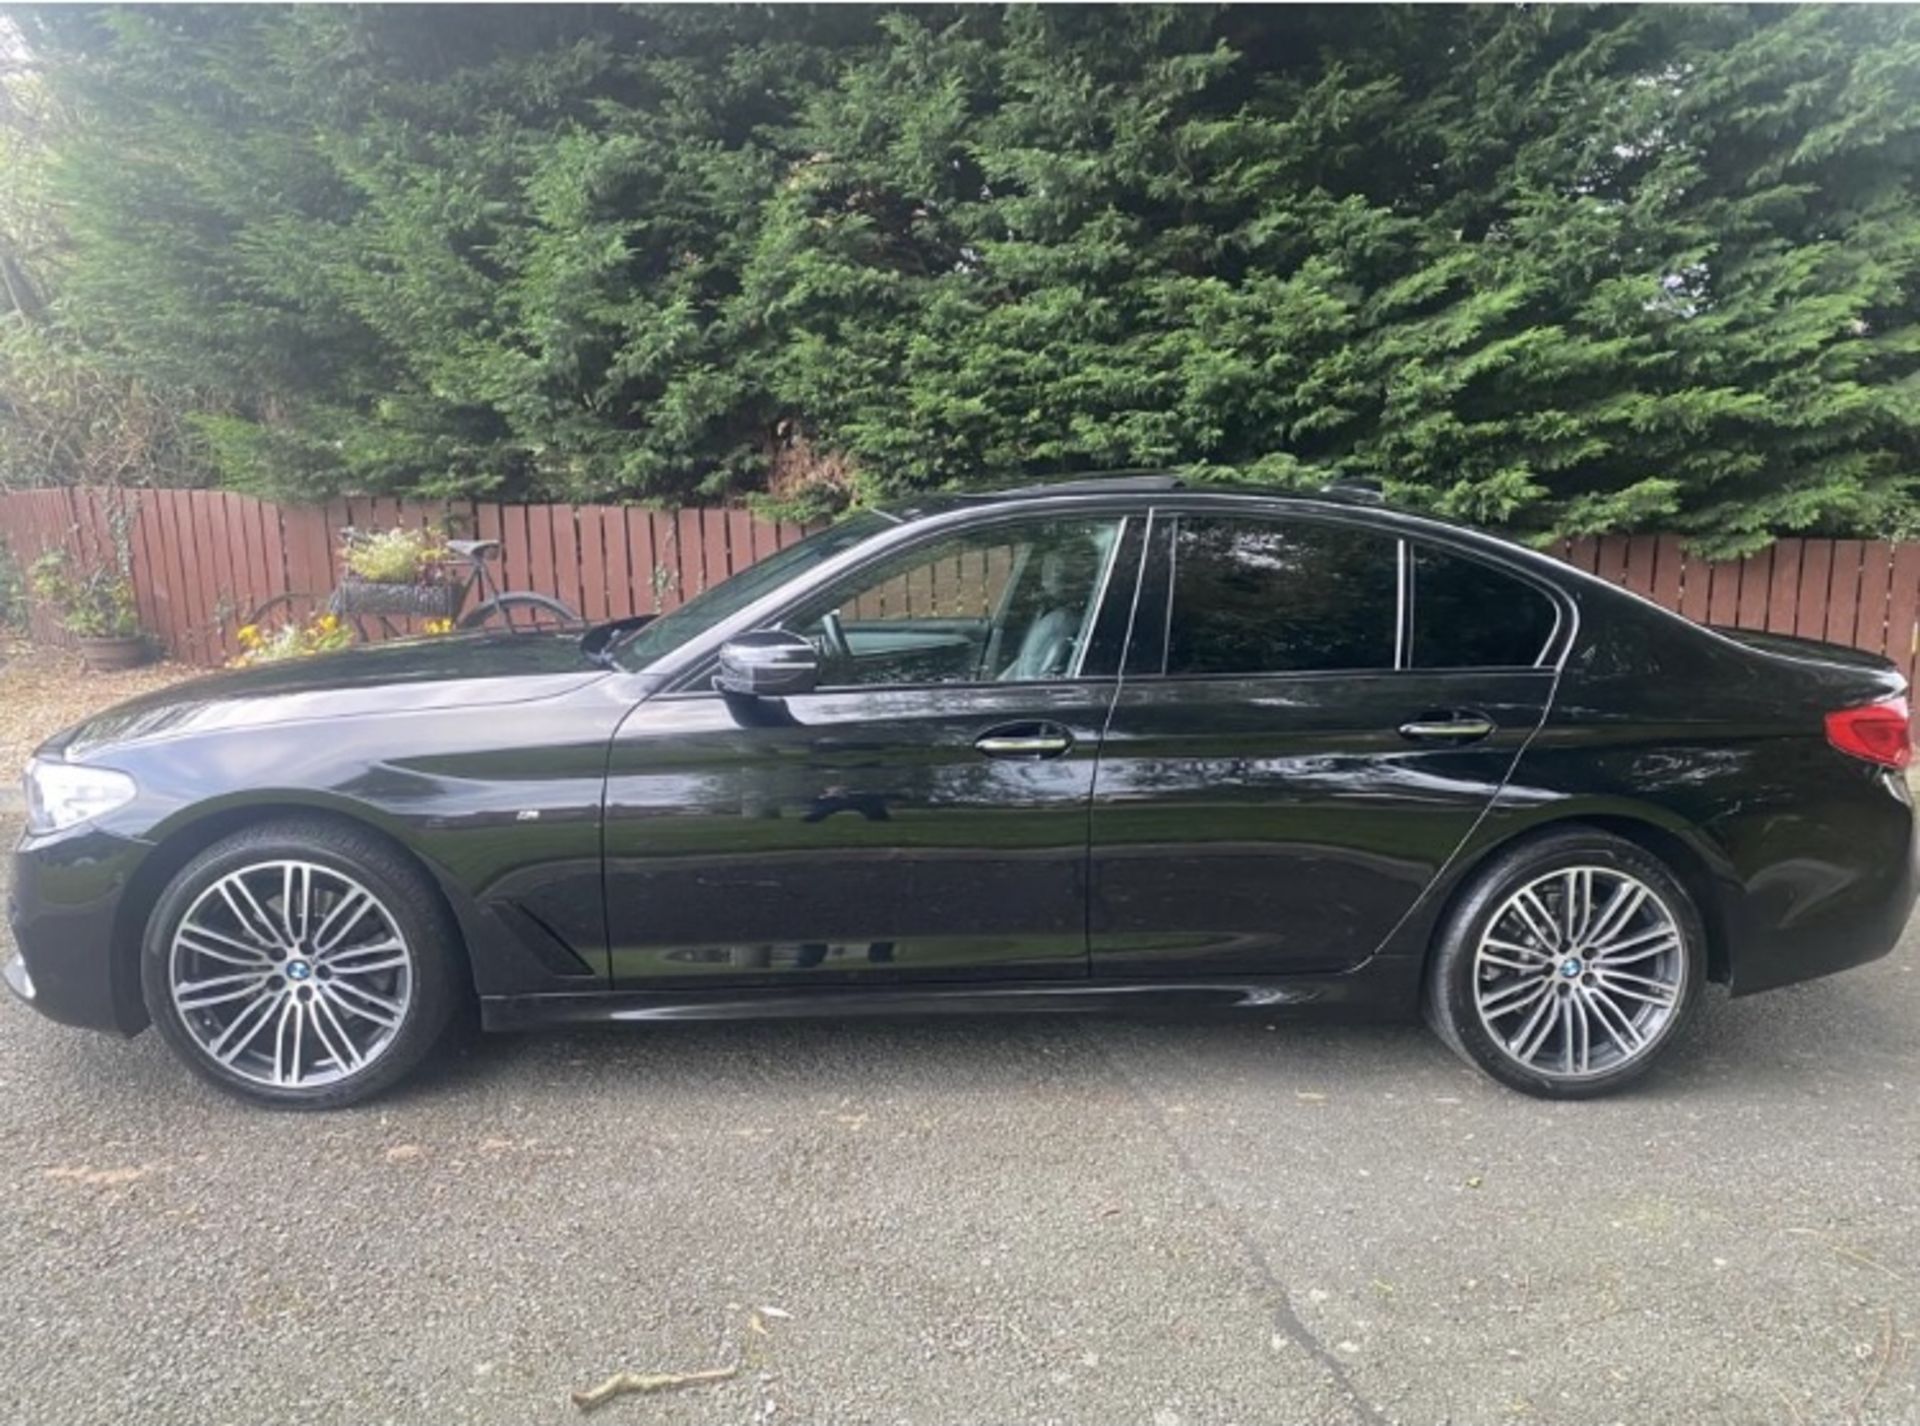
848	835
1285	825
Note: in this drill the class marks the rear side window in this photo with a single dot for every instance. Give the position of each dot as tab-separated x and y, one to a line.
1267	596
1470	615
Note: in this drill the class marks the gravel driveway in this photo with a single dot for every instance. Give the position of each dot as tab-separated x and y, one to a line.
970	1221
43	689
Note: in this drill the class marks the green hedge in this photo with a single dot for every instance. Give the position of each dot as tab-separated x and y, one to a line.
1557	268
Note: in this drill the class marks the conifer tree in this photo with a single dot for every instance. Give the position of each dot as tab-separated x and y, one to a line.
1558	269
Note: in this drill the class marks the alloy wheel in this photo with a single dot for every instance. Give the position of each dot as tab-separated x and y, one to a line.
1580	972
290	974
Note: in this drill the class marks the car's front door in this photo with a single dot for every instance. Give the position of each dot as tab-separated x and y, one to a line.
922	814
1314	715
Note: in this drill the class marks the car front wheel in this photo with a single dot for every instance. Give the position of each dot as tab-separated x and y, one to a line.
1569	965
300	964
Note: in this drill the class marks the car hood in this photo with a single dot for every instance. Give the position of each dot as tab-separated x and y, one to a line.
413	675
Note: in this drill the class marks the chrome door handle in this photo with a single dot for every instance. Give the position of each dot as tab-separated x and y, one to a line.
1034	742
1463	729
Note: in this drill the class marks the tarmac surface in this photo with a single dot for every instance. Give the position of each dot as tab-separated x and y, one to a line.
969	1221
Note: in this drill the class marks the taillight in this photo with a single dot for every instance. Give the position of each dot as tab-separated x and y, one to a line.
1879	732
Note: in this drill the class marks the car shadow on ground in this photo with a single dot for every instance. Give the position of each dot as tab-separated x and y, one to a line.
1763	1045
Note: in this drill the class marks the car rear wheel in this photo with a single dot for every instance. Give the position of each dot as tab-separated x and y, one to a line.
302	964
1569	966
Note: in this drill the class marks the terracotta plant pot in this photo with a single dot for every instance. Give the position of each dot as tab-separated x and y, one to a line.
113	655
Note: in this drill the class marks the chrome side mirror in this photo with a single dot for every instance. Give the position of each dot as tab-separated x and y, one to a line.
768	663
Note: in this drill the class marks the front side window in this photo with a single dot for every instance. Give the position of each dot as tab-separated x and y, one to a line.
1470	615
660	637
1272	596
1010	603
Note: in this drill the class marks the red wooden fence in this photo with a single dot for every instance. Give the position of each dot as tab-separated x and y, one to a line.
204	559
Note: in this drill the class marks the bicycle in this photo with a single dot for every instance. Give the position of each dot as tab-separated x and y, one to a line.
465	567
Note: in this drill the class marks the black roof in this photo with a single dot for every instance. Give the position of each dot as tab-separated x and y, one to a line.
1353	496
1360	492
1140	482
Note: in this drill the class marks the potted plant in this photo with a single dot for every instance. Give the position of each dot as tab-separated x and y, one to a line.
95	606
397	572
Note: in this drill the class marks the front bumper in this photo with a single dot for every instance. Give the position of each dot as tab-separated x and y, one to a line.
75	962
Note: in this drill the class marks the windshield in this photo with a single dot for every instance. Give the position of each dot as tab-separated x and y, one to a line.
662	636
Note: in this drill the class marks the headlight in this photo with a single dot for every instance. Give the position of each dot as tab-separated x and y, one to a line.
66	794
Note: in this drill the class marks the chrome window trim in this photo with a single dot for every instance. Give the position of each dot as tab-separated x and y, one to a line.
1091	620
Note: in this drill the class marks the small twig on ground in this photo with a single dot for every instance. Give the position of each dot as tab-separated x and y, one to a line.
1882	1357
645	1383
1859	1257
1853	1254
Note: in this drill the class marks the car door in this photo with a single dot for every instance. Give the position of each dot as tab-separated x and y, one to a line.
1314	714
921	814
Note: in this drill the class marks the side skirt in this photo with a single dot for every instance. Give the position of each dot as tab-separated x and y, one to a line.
1385	987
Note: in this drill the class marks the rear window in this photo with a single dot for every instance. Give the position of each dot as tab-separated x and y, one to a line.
1469	615
1266	596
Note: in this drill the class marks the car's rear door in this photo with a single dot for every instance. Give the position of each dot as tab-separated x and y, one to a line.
921	815
1315	712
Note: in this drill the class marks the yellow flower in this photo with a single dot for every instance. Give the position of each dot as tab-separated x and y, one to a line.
249	634
438	626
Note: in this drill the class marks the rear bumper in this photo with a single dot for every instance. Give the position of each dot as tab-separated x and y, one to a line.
1810	911
63	912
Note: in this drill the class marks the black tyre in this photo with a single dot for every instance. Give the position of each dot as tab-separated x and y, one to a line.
301	964
1568	965
522	613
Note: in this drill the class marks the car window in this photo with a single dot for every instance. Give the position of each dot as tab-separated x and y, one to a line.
1272	596
1010	603
1469	615
663	635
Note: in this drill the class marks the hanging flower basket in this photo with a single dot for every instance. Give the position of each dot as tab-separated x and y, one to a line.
396	573
438	600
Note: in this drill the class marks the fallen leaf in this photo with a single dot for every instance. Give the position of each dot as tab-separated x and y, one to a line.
400	1153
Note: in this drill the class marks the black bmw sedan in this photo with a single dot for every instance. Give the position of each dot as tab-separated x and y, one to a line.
1099	745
